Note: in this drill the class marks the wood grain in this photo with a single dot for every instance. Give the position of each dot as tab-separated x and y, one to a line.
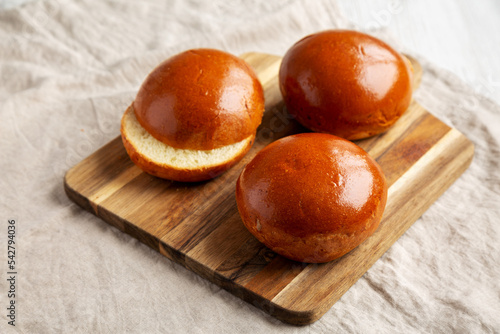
198	225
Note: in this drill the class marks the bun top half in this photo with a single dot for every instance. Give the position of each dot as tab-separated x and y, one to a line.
200	99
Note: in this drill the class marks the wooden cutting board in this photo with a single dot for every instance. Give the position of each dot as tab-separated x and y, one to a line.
198	225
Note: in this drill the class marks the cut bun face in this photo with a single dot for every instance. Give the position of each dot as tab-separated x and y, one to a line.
185	165
311	197
345	83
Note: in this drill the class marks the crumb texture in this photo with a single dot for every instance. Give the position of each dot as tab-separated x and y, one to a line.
163	154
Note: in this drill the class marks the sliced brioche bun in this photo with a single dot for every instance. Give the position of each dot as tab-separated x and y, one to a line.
311	197
345	83
195	115
184	165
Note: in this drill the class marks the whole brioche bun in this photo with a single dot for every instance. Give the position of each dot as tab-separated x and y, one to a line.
345	83
194	116
311	197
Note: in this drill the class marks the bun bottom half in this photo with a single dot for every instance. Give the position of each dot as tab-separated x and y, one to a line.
183	165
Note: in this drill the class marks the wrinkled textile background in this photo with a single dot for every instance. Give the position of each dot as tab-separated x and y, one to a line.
69	69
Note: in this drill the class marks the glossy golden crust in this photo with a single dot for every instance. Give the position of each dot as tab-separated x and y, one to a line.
345	83
311	197
200	99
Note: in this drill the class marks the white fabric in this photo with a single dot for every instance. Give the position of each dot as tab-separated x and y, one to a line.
69	69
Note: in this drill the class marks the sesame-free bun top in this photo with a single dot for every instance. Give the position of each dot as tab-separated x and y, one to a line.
311	197
345	83
200	99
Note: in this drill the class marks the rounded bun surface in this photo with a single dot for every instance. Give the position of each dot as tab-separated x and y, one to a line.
184	165
345	83
311	197
200	99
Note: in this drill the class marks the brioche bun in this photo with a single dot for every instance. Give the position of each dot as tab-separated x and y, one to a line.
311	197
194	116
345	83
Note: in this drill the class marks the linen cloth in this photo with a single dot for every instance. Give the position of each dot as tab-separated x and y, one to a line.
69	69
